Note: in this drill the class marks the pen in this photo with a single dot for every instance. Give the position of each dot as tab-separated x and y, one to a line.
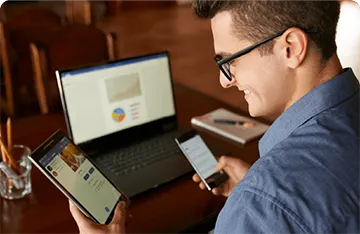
234	122
229	122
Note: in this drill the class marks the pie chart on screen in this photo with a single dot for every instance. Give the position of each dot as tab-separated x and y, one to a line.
118	115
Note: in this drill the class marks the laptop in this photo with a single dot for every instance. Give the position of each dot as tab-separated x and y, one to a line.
123	115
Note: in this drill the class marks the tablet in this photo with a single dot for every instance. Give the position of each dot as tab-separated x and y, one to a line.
77	177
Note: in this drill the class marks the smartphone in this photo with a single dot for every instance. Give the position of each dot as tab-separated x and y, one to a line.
78	178
201	159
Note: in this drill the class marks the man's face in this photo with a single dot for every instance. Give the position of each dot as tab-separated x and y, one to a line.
263	79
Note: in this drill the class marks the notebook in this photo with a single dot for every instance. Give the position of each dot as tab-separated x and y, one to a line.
230	125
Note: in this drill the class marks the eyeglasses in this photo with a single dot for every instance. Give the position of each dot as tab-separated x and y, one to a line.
224	63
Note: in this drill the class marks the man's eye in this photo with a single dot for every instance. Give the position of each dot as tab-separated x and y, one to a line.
218	57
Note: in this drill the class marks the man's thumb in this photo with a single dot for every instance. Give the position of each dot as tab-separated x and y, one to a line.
120	214
221	163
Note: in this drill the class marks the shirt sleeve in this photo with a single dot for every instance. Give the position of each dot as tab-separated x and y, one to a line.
255	212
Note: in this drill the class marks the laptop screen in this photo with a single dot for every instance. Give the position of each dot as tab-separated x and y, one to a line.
108	98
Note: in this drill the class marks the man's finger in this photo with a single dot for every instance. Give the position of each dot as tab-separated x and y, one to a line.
120	214
79	217
234	167
196	178
221	163
202	186
217	191
128	219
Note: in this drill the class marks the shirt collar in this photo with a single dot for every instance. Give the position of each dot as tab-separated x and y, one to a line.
317	100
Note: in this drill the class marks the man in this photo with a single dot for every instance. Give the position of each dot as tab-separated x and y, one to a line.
282	55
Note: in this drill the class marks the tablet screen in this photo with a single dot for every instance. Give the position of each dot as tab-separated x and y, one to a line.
68	165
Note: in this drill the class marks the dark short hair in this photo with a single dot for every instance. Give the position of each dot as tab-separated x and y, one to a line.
256	20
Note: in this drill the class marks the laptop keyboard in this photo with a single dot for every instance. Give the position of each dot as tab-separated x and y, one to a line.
139	155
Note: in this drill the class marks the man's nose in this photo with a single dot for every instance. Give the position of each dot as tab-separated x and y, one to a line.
225	83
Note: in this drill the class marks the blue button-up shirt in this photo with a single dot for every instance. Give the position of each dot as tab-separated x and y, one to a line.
307	177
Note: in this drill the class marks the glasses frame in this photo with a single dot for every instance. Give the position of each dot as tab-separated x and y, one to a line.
221	63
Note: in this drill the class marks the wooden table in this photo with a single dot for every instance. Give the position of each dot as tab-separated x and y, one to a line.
173	207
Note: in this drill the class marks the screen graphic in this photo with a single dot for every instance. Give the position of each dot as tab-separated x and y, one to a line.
118	115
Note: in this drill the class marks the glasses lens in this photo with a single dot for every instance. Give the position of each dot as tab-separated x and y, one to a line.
225	68
226	71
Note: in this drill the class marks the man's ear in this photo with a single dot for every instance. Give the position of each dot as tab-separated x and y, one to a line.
294	44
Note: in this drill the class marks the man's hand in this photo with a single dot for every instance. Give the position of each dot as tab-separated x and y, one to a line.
87	226
236	170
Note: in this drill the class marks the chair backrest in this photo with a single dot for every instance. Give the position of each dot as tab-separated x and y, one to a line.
35	17
15	35
77	45
32	25
71	46
78	12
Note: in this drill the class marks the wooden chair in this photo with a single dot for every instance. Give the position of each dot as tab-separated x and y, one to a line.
15	35
113	7
72	46
78	12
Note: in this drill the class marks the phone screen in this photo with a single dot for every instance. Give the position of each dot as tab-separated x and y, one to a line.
69	166
200	156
